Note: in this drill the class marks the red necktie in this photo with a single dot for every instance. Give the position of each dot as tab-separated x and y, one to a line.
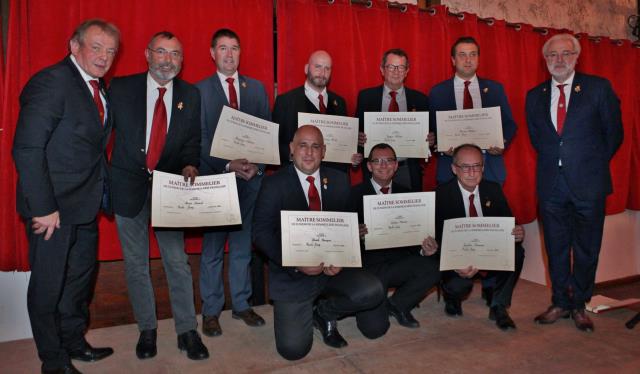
384	190
472	208
158	131
96	98
314	197
323	108
467	102
562	109
233	96
393	105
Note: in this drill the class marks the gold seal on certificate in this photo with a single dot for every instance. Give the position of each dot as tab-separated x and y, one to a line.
211	201
406	132
340	134
313	237
483	242
398	220
482	127
240	135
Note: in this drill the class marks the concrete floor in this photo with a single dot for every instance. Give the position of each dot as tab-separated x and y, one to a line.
441	345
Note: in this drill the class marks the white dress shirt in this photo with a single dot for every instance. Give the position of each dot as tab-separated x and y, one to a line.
305	184
401	98
225	86
312	95
555	97
476	200
474	90
377	187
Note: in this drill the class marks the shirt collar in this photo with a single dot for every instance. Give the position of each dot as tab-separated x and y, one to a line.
223	78
386	90
303	176
84	75
377	187
153	85
461	81
465	193
311	92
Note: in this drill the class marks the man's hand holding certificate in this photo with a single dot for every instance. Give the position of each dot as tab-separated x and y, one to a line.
310	238
406	132
211	201
340	134
482	127
486	243
243	136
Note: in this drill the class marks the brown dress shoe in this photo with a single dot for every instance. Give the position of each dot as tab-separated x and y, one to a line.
249	317
211	326
552	314
582	320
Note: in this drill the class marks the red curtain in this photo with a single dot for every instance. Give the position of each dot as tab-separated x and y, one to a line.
38	33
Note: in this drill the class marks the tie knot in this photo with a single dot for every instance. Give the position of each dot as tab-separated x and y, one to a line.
95	84
230	80
311	179
561	86
384	190
471	198
320	98
467	83
162	90
393	94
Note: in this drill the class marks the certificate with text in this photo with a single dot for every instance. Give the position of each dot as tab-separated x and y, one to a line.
313	237
240	135
399	220
340	134
483	242
482	127
211	201
406	132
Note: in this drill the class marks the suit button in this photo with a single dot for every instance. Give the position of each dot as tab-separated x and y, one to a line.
150	178
142	168
142	150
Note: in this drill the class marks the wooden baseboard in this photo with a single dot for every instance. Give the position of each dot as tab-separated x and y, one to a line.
618	282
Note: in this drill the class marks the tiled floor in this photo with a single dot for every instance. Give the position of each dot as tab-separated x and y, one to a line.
471	343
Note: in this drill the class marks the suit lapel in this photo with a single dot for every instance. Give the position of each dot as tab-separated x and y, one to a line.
326	191
217	87
575	102
544	105
297	192
451	94
87	93
177	103
457	204
244	91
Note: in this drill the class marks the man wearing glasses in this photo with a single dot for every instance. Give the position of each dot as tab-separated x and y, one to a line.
413	271
469	195
393	96
575	125
157	127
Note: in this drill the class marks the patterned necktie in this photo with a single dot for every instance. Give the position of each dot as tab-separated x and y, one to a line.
384	190
323	108
314	197
472	208
562	109
467	103
158	131
233	96
393	105
96	99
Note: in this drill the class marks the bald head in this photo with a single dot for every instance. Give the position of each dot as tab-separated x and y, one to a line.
307	149
318	70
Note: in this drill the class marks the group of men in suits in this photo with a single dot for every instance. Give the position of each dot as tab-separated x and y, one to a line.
163	123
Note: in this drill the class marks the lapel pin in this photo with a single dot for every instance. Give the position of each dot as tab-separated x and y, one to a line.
180	105
577	89
544	89
243	84
335	102
324	183
485	90
413	109
488	203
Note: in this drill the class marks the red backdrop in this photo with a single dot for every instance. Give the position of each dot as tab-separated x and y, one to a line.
354	35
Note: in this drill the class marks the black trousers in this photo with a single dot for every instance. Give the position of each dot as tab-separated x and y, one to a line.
62	270
352	291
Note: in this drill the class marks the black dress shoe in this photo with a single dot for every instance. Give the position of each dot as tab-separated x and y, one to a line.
249	317
404	318
329	331
146	347
487	295
190	341
499	314
67	369
453	307
90	354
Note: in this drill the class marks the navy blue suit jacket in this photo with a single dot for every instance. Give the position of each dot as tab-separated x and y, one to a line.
591	134
442	97
283	191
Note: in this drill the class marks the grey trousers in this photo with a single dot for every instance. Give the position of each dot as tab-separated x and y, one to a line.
134	239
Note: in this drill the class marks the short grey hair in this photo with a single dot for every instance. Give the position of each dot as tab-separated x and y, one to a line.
576	44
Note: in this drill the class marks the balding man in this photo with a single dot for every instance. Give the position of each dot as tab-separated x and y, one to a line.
295	290
575	125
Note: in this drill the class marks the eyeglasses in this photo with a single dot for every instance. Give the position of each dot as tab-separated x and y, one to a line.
565	55
163	53
400	68
468	168
382	161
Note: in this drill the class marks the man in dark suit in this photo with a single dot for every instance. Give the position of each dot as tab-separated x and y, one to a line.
467	91
575	126
295	290
412	271
312	97
157	127
227	87
469	195
59	151
393	96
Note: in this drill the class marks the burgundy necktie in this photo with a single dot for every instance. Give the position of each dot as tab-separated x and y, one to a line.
562	109
158	131
233	96
323	108
96	98
393	105
472	208
467	102
384	190
314	197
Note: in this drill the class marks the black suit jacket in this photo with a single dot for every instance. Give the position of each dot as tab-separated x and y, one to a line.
131	179
59	146
285	113
378	256
370	100
282	191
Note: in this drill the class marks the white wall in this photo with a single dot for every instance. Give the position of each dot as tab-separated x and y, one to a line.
14	319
